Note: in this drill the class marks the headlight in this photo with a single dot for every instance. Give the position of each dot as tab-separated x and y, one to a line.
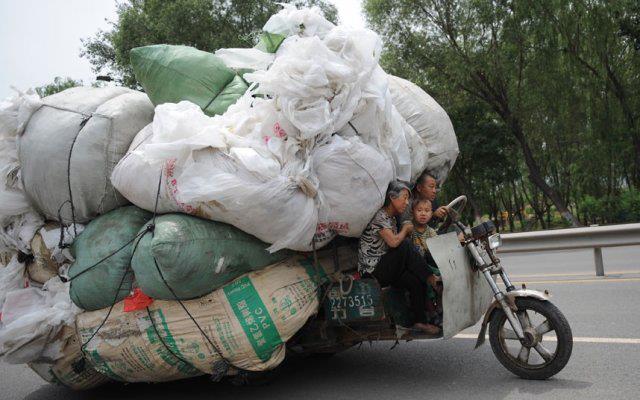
495	241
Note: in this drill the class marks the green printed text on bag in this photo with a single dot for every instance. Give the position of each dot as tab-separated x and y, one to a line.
254	317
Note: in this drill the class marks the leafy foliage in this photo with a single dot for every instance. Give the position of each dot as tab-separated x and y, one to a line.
544	96
205	24
59	84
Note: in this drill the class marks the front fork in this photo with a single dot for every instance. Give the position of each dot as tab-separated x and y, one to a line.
497	293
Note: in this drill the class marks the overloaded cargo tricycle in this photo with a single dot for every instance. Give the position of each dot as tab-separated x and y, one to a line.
528	334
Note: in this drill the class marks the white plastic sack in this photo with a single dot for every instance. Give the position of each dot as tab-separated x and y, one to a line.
203	176
250	58
430	122
353	181
318	83
12	277
87	130
302	22
18	220
15	112
31	320
377	122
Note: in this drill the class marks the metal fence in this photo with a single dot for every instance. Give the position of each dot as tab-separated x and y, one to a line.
593	237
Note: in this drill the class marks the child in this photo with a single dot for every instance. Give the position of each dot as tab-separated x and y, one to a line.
422	214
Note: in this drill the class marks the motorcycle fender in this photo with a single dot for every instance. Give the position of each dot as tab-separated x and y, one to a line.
510	297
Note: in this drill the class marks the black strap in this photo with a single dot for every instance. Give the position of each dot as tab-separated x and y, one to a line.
166	346
115	301
150	228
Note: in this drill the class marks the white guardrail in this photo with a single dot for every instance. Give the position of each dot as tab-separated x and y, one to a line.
594	237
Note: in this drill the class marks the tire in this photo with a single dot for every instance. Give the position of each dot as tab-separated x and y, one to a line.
500	336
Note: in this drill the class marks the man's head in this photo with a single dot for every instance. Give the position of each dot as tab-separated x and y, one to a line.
426	186
422	211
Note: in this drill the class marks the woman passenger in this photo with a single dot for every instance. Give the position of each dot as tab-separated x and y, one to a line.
388	255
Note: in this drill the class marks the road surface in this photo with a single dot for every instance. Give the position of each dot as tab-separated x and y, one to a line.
603	313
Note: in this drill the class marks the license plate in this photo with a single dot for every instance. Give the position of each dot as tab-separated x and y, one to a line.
362	304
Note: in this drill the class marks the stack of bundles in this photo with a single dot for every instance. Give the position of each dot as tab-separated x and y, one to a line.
183	257
243	325
319	118
56	157
248	156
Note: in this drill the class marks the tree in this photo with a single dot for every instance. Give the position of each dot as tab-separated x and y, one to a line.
601	38
59	84
205	24
509	56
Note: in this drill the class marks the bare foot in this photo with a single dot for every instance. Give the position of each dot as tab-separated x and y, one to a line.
429	329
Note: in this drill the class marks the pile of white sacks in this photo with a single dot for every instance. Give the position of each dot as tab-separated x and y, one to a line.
305	155
308	151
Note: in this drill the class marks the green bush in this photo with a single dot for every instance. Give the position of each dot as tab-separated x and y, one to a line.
629	206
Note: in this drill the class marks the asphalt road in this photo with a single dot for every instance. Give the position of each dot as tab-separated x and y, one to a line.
600	310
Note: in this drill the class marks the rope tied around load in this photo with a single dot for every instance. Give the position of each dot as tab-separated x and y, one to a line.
149	228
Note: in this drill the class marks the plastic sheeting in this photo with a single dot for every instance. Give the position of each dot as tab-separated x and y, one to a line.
264	165
18	220
432	124
31	320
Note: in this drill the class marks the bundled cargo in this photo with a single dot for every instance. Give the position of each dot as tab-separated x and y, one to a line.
70	146
240	186
31	321
245	325
191	257
277	146
70	370
170	74
436	140
18	220
101	272
231	162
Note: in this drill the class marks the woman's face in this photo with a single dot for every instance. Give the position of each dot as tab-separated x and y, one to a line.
401	202
428	188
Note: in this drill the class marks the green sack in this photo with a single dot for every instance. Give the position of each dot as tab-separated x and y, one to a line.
269	42
97	287
196	256
170	74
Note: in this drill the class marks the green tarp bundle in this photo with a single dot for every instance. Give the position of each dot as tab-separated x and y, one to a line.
97	287
195	256
269	42
170	74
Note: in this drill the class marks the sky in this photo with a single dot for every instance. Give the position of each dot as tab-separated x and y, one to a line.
40	39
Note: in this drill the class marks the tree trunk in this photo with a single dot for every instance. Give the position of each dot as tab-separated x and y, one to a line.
535	176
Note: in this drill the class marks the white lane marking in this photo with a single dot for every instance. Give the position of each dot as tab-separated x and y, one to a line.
572	274
593	280
575	339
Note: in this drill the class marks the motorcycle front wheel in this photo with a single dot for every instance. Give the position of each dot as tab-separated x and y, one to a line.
548	344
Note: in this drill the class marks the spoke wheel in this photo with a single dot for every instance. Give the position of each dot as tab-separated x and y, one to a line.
548	340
